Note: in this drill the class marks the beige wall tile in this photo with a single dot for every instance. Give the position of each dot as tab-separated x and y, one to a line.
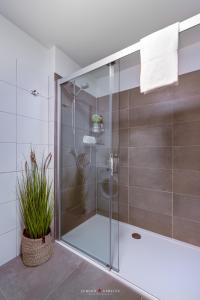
155	114
123	175
154	201
187	134
186	230
157	179
151	221
123	156
186	206
151	157
161	95
115	119
123	137
187	109
124	99
124	118
187	157
123	194
120	205
186	182
157	136
188	85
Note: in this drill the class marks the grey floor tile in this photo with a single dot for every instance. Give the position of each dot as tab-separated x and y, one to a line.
2	296
18	282
88	278
65	276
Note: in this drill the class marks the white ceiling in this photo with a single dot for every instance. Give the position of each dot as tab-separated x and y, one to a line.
88	30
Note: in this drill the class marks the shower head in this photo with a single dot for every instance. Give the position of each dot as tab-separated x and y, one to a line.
75	89
84	86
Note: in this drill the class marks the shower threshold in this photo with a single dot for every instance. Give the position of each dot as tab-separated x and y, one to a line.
153	265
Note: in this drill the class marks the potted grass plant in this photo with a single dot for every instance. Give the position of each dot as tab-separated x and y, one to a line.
34	193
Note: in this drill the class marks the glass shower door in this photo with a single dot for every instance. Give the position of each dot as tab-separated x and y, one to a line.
89	164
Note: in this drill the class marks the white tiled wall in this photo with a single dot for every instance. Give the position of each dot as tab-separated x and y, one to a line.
8	244
24	65
26	121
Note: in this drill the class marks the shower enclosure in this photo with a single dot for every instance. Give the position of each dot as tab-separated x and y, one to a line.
128	165
88	163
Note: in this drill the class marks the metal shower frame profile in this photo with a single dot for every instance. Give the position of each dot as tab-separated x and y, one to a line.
183	26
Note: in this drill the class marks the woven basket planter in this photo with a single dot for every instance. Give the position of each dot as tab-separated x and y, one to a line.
36	251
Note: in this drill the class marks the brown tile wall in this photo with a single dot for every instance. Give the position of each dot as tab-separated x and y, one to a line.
159	180
159	170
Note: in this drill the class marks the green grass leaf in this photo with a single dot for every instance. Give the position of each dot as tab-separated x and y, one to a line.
34	192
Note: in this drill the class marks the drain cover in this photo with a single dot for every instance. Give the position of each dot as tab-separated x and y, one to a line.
136	236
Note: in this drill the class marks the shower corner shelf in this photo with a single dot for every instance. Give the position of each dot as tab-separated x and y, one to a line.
100	144
98	132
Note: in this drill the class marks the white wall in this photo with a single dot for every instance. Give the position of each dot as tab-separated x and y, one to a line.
62	65
25	120
24	65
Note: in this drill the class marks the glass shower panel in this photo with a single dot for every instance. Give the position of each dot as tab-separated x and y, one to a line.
88	164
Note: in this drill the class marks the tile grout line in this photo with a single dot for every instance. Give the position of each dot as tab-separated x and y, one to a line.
166	124
16	120
48	109
161	147
1	291
160	124
22	115
188	219
25	143
149	168
20	87
64	279
148	147
6	202
48	132
172	142
8	172
8	231
150	189
128	160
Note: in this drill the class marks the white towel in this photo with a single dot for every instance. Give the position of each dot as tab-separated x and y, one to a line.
159	58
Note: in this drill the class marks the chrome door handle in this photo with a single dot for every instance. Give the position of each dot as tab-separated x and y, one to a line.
113	163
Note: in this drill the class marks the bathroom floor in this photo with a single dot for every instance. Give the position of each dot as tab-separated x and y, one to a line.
147	261
65	276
